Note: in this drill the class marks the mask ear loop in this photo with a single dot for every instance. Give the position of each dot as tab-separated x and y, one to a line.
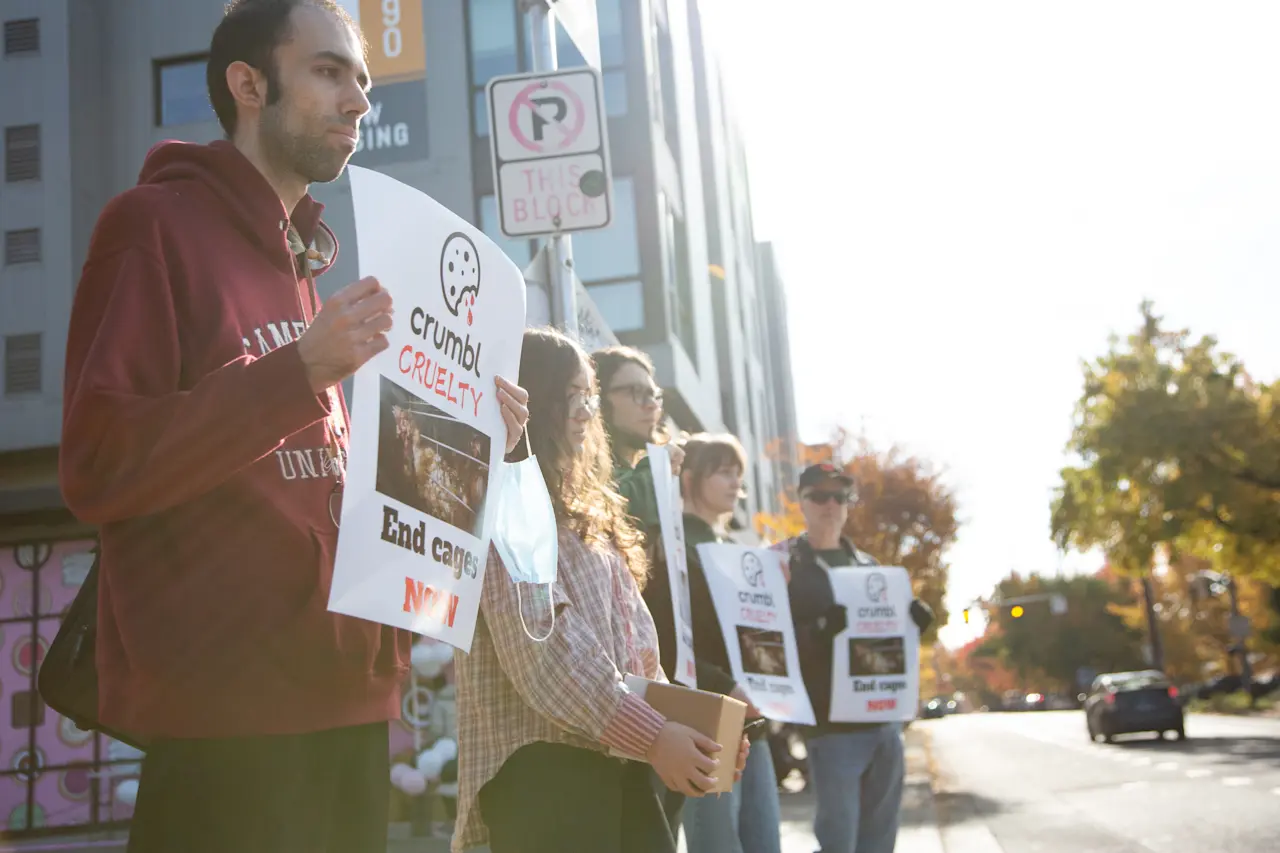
528	449
520	609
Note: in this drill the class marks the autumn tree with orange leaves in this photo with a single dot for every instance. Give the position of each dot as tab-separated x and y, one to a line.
903	514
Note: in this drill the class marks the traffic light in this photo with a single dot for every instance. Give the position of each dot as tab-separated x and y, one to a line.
966	616
1016	611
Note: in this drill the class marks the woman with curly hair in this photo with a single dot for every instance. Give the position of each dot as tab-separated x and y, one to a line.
538	721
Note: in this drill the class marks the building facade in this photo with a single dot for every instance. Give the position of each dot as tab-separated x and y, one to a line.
88	86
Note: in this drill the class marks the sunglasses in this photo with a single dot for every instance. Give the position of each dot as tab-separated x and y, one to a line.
827	497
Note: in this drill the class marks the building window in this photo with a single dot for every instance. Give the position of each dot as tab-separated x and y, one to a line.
675	262
613	58
22	247
495	50
621	303
22	37
22	364
613	252
664	81
519	251
22	153
182	93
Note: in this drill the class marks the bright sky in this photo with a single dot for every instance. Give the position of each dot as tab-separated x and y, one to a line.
969	197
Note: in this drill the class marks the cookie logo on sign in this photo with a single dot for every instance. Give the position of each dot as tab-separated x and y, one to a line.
877	588
460	274
752	569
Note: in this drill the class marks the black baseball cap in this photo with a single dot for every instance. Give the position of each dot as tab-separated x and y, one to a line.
817	475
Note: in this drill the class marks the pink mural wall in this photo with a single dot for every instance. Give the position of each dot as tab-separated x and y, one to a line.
52	774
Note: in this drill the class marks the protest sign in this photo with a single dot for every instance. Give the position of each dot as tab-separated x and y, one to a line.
876	662
427	435
671	516
750	594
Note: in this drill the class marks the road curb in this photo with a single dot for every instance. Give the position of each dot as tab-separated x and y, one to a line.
919	830
961	827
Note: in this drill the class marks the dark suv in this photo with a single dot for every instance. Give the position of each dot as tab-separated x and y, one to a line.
1127	702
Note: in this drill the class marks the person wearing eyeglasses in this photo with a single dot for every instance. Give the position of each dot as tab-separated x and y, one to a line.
631	404
538	718
856	769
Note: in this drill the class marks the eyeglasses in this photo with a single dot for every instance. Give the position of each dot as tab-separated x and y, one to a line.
582	401
827	497
641	393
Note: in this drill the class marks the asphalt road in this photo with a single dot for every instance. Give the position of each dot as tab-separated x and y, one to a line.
1033	783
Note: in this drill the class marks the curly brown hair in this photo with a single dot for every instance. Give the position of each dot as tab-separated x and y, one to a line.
581	483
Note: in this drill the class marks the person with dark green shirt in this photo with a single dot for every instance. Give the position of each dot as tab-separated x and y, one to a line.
631	404
857	769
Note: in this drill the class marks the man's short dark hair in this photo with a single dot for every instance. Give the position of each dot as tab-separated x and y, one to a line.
250	32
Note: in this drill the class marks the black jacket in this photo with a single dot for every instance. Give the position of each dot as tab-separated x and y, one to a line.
818	619
711	660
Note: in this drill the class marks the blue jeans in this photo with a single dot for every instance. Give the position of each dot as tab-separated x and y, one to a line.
858	778
745	820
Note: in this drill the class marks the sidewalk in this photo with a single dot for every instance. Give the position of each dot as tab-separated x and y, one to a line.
918	832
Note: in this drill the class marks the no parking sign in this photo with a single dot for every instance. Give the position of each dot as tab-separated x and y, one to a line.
550	147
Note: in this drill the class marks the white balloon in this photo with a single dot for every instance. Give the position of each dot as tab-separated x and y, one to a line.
426	660
414	783
127	792
446	748
397	773
430	764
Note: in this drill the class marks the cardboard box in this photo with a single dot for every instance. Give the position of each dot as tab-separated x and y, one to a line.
720	718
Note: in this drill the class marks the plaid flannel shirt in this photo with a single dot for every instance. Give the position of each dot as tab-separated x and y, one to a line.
513	691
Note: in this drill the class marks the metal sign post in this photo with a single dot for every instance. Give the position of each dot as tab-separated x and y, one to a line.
564	302
549	141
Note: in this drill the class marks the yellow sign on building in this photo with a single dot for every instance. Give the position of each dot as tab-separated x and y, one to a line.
393	29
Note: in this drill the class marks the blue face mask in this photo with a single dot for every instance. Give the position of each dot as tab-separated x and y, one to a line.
525	532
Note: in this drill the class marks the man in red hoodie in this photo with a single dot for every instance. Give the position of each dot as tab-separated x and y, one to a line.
200	370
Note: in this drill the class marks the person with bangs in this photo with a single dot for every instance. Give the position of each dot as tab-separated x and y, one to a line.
540	720
747	820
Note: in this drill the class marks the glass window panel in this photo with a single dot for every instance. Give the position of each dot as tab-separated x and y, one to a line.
615	92
493	39
621	303
184	94
480	114
519	251
609	16
567	53
612	252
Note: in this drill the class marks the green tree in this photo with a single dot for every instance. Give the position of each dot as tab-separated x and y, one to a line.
1172	434
1042	645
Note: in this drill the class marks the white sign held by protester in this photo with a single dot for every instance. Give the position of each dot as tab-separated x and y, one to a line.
671	515
876	662
750	593
427	435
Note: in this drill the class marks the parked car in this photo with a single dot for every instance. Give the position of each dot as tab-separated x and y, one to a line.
1130	702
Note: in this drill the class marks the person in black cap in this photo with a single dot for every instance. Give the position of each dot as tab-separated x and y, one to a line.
856	769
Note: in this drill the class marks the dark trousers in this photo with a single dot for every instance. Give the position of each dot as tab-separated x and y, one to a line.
672	806
326	792
552	798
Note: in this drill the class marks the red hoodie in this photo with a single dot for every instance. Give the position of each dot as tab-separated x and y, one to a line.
192	438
